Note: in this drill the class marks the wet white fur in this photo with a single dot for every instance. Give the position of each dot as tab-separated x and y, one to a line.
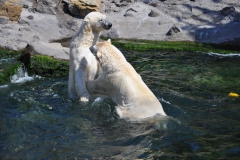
83	64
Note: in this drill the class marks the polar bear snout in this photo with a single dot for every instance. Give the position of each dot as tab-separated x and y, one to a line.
106	24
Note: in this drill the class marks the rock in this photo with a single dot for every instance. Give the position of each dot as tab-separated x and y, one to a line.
21	45
153	14
146	1
21	21
41	8
81	8
116	1
24	29
124	3
11	9
111	34
4	32
129	12
117	9
228	11
12	26
65	32
4	20
173	30
186	15
30	17
46	2
50	49
197	11
73	25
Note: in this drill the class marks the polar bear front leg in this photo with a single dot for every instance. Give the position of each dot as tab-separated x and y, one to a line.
80	79
71	84
97	86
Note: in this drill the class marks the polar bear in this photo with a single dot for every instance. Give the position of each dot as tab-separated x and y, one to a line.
123	84
83	64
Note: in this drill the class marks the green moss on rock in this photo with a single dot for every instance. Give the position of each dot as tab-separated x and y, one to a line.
8	69
6	74
47	66
4	53
148	45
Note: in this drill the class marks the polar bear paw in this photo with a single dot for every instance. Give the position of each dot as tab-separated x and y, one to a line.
83	99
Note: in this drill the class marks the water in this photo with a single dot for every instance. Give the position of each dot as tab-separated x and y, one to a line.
38	120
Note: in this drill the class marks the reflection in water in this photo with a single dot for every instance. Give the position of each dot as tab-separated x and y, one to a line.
39	121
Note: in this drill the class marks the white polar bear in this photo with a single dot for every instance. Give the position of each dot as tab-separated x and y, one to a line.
83	64
123	84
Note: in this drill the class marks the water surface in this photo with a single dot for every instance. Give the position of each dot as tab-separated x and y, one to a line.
38	120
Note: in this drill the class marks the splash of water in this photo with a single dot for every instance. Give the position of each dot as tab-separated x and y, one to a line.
21	76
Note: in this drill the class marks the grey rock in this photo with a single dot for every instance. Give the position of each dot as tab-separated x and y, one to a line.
25	6
173	30
4	20
4	32
21	45
196	11
24	29
73	25
111	34
186	15
41	8
117	9
36	37
22	21
116	1
12	26
122	4
65	32
54	50
228	11
153	13
129	12
147	1
29	17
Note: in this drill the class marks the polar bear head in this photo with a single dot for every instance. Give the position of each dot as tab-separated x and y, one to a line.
97	21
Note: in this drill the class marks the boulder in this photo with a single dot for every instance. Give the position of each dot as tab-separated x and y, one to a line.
42	8
173	30
54	50
81	8
228	11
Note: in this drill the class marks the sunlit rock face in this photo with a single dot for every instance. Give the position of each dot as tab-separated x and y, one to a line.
81	8
10	9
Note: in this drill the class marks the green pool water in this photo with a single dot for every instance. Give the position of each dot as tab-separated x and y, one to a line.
39	121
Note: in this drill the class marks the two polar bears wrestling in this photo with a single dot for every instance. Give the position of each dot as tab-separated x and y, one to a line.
108	73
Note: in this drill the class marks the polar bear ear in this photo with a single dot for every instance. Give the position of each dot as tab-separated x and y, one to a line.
87	20
109	41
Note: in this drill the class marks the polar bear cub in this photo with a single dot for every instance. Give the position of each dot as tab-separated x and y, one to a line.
123	84
83	64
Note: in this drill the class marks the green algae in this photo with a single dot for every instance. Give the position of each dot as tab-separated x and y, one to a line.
8	69
5	75
148	45
47	66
